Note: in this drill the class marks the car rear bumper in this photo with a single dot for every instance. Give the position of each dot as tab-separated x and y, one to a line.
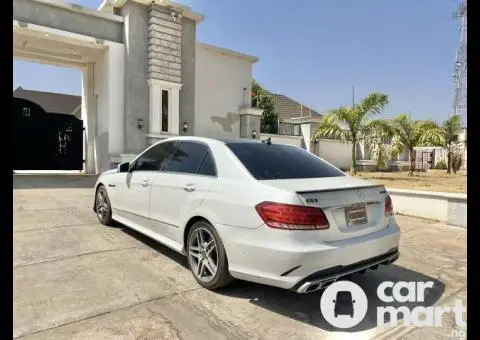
269	257
323	278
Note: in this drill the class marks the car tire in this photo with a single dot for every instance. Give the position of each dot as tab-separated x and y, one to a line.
221	277
103	209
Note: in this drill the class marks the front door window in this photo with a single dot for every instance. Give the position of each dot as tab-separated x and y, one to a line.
155	158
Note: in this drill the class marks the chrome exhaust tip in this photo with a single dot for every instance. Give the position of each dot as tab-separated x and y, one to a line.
309	287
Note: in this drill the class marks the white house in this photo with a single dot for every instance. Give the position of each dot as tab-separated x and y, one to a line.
145	76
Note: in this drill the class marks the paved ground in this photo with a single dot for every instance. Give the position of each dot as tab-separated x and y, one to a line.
76	279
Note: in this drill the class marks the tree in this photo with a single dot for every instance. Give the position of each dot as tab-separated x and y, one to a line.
262	100
445	136
409	134
460	11
354	124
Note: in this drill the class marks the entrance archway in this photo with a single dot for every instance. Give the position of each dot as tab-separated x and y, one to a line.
63	35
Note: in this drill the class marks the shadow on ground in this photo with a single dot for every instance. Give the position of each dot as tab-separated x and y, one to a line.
53	181
173	255
306	307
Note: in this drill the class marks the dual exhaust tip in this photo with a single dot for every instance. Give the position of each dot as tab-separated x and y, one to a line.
309	287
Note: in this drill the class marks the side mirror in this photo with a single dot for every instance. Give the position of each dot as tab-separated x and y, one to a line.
124	167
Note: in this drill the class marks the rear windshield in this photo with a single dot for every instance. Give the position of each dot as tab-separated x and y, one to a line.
277	161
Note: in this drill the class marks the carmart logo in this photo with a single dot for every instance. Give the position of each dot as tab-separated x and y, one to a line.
419	316
344	305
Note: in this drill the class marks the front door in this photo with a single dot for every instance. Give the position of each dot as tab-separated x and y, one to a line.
132	195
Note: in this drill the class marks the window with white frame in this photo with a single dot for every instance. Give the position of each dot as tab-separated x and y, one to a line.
164	107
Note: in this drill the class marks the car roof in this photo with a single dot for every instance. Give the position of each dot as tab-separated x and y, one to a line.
238	141
209	140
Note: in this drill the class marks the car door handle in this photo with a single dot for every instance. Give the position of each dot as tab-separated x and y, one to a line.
146	183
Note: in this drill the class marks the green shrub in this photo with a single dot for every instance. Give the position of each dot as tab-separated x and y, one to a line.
440	165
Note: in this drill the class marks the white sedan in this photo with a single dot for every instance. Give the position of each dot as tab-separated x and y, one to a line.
253	210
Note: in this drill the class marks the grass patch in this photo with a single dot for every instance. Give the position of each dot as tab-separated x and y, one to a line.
432	180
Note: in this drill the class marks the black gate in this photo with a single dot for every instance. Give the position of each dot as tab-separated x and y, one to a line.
45	141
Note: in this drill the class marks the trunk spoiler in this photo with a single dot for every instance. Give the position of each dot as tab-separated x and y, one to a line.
341	189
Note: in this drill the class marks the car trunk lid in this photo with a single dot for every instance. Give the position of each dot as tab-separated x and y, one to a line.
352	206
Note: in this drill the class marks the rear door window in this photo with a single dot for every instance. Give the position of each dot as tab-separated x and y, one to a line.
277	161
187	158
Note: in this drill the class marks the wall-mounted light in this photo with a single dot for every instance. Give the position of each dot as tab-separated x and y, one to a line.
254	134
140	123
316	141
185	126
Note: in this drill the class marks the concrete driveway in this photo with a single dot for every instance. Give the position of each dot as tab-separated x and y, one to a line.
76	279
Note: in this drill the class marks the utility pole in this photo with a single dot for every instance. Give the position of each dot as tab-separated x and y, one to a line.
460	69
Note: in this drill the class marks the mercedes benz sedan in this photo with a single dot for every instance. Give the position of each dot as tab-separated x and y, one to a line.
253	210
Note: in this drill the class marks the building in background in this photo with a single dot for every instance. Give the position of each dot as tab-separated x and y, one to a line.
145	77
52	102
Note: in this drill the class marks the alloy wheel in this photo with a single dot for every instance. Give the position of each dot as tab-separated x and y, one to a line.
203	254
102	205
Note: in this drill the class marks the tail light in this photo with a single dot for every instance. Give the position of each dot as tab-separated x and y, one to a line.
388	206
292	217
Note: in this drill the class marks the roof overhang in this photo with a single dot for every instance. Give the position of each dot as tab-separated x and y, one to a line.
80	9
109	5
227	52
53	46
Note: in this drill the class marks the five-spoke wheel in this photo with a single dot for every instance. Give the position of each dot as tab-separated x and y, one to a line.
206	256
102	206
203	254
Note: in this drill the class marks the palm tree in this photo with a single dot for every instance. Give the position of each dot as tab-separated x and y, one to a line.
408	134
445	136
354	124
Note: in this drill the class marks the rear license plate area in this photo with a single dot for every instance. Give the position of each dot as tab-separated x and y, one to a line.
356	214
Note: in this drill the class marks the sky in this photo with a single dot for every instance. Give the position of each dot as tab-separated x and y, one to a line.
315	51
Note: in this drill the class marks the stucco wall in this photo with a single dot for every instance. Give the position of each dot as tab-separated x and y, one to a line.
102	111
335	152
101	92
137	95
445	207
108	88
187	92
74	20
219	83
